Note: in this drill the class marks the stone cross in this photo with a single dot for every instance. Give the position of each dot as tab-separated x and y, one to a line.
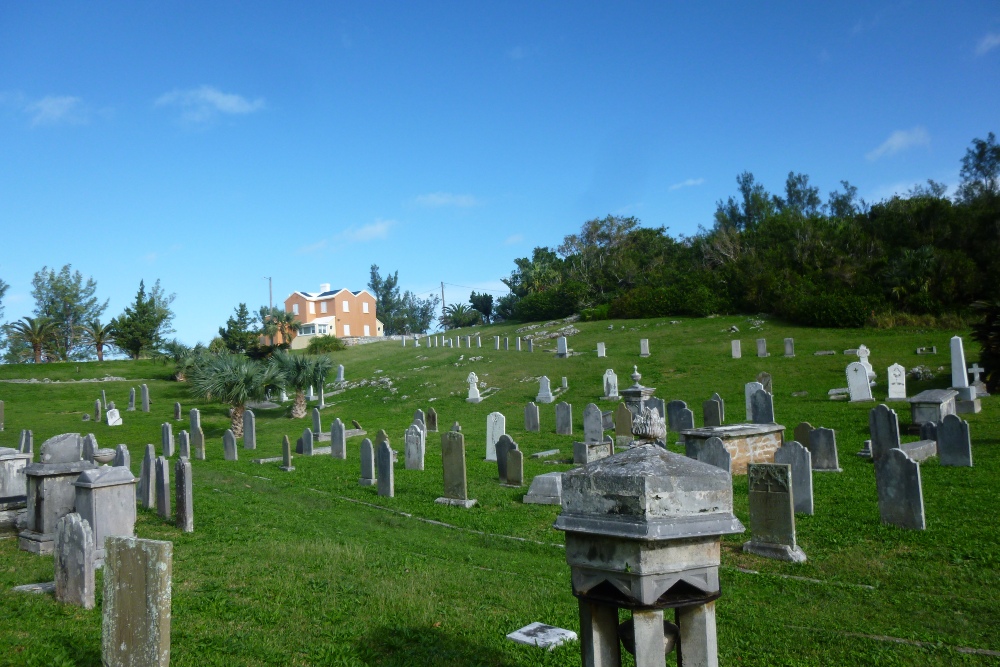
564	419
473	381
772	514
976	372
383	464
286	455
229	451
74	561
183	495
136	606
367	464
163	487
799	458
249	429
338	440
496	426
531	417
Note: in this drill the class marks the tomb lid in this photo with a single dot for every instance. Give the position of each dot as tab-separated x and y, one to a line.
104	476
934	396
11	453
648	493
732	430
57	469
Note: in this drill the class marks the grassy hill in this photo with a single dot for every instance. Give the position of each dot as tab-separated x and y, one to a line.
308	568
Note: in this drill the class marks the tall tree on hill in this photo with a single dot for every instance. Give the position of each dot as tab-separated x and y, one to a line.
98	336
980	170
399	313
38	333
239	335
235	380
297	372
483	304
138	330
69	301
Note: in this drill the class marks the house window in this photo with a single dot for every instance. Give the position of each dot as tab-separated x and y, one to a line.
322	307
312	308
307	330
321	329
347	306
347	329
368	331
364	307
295	309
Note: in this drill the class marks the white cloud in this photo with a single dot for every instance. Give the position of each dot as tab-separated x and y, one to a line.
514	238
55	109
204	103
370	232
439	199
988	43
689	183
900	140
312	247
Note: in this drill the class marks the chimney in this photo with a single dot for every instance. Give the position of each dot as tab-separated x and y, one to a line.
324	287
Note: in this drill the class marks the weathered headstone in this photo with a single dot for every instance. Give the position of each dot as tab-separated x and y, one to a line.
131	400
496	340
564	419
383	465
145	398
184	444
545	489
249	429
674	409
737	352
643	347
610	385
654	403
601	351
113	417
163	487
929	431
762	347
623	425
496	426
562	350
453	464
959	374
531	422
714	452
802	431
26	442
229	451
147	479
897	382
177	412
504	445
565	383
136	605
762	407
73	557
197	435
748	391
789	347
304	445
338	440
518	343
183	495
419	414
900	494
772	513
711	413
97	410
122	457
414	448
544	391
799	458
367	463
593	424
822	445
766	382
167	439
515	467
954	442
286	455
531	345
317	421
340	373
432	420
685	419
89	447
857	382
883	424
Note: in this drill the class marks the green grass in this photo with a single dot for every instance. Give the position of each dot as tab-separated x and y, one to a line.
286	569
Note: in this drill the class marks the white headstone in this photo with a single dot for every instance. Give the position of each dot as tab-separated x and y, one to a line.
959	376
897	382
601	352
737	352
496	425
473	381
610	384
857	382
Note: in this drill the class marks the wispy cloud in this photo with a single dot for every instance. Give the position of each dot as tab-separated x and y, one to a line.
440	199
900	140
150	257
312	247
517	53
689	183
988	43
201	104
370	232
514	238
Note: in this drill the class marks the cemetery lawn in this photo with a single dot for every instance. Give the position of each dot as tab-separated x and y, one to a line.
309	568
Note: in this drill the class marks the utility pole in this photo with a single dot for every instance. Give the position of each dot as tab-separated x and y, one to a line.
442	305
270	302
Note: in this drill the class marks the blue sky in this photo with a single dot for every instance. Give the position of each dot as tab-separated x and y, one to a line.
211	144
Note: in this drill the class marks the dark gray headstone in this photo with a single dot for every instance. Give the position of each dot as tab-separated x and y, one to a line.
762	407
883	424
802	431
504	445
305	443
97	410
453	463
184	444
147	478
383	465
163	487
136	603
249	430
564	419
122	457
515	467
954	443
184	497
229	451
673	411
286	455
531	417
73	556
593	424
711	413
800	459
317	421
367	463
714	452
338	440
772	513
177	412
929	431
685	419
432	420
167	439
900	495
654	403
823	447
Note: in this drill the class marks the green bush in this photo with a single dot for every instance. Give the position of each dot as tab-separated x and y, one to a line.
561	301
596	313
325	345
691	300
833	310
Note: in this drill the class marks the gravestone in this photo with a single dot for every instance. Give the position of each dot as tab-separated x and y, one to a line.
610	385
496	426
338	440
644	347
474	396
897	382
799	458
317	421
674	409
545	489
432	420
340	373
229	451
959	374
249	430
623	425
286	455
456	490
531	422
183	495
654	403
104	399
823	447
506	343
197	435
163	487
766	382
722	406
167	439
73	558
714	452
496	342
863	353
88	447
601	351
147	479
113	417
515	467
593	424
685	419
304	445
929	431
564	419
857	382
565	383
900	494
762	347
177	412
184	444
456	427
413	441
762	407
748	391
772	513
954	442
504	445
562	350
383	465
544	391
802	433
136	605
711	413
26	442
97	410
122	457
518	343
419	414
367	463
789	347
131	400
737	352
145	398
531	345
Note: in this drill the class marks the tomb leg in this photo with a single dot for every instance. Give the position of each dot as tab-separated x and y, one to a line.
698	645
599	635
650	649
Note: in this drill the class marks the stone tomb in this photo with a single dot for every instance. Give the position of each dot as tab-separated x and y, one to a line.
932	405
746	443
50	491
772	515
105	499
545	489
13	484
456	490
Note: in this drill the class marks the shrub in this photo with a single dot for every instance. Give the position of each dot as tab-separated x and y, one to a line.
325	345
987	334
596	313
551	304
691	299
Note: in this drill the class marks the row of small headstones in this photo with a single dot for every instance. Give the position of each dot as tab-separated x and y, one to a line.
103	403
762	348
562	348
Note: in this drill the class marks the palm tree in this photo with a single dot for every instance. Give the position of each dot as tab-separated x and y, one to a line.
286	325
298	372
99	335
459	315
36	331
235	380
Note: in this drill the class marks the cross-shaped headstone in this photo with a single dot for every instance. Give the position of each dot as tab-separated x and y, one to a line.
976	372
863	353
